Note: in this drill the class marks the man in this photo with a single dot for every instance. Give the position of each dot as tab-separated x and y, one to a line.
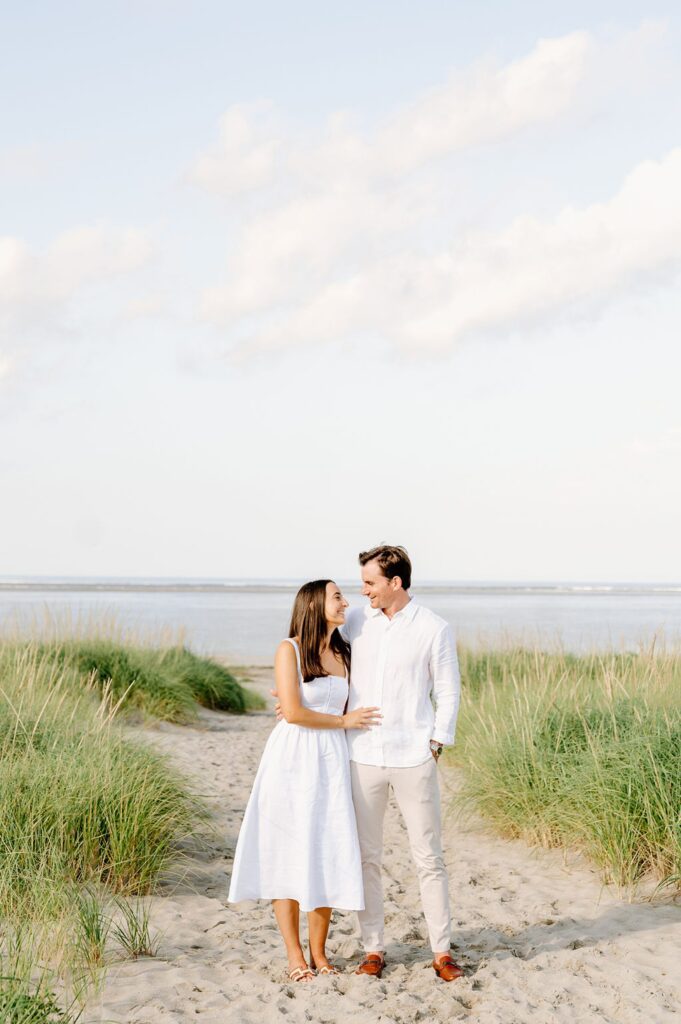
401	654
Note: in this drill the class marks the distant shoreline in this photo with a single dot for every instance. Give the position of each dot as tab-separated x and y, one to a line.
520	589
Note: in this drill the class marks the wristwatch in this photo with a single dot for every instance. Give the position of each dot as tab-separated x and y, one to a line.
436	747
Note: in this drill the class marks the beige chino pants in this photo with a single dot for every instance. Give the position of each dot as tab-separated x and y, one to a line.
418	797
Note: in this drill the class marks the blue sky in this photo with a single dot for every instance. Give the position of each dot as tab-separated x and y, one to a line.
279	283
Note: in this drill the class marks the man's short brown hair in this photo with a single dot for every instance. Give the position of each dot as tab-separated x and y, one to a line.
393	560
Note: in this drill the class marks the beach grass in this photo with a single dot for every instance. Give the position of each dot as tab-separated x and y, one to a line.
24	1001
578	752
88	818
166	683
78	802
132	930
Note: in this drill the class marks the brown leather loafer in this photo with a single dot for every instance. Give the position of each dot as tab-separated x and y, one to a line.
447	969
372	964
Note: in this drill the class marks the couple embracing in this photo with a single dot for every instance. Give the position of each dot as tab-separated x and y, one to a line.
356	720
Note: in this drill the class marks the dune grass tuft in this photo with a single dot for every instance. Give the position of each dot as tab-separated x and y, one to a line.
22	1002
166	683
578	752
209	683
87	816
132	930
27	987
78	802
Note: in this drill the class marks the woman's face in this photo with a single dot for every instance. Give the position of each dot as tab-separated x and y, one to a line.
335	605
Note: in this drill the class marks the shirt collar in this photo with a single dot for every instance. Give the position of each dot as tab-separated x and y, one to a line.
408	612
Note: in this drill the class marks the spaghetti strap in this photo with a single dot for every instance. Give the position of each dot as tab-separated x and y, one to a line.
290	640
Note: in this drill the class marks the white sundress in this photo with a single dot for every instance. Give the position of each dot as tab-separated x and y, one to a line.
298	839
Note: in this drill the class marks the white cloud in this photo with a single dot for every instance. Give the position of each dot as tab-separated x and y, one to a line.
353	236
32	281
540	268
293	250
42	290
245	156
304	287
666	443
482	104
486	104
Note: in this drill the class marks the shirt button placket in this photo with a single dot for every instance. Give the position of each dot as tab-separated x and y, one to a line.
380	679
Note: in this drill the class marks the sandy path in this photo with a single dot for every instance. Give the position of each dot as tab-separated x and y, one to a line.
541	943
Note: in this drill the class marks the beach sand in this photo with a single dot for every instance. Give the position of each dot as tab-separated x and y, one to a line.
541	939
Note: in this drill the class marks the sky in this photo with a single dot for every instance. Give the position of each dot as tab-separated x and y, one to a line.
280	282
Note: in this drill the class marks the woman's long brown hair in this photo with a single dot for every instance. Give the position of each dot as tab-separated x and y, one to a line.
308	622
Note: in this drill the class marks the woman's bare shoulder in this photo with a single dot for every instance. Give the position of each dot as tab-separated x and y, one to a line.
286	649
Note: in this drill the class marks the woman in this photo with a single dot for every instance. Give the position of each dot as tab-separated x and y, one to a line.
298	843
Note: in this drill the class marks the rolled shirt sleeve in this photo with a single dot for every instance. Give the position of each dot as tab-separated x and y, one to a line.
444	668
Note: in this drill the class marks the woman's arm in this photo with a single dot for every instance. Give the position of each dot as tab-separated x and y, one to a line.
286	680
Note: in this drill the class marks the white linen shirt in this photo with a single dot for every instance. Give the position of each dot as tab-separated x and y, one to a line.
397	664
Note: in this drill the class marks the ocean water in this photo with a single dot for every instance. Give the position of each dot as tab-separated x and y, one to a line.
243	620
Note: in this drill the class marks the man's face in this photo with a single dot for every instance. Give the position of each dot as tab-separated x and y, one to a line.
376	586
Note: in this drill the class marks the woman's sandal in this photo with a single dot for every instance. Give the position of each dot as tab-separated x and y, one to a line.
300	973
326	969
